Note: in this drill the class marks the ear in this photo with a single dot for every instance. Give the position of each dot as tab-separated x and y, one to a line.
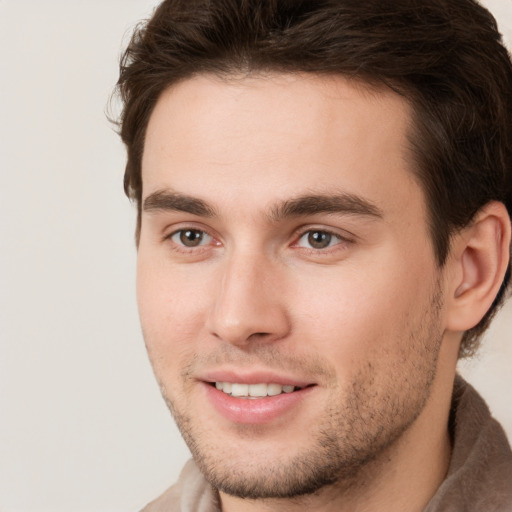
479	255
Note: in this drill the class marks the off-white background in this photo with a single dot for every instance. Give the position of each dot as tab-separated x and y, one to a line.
82	424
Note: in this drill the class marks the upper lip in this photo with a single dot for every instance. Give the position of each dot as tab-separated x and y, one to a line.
253	377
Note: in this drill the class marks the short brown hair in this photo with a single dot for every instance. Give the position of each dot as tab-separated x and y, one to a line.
445	57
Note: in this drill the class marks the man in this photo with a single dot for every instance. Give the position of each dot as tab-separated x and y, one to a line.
324	191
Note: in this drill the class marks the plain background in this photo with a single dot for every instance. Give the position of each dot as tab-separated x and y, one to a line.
82	424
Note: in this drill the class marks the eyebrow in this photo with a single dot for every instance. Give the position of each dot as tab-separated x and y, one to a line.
301	206
342	203
164	200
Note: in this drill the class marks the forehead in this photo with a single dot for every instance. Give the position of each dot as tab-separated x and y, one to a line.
275	135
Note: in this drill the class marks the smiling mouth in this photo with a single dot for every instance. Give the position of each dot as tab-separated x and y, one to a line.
254	391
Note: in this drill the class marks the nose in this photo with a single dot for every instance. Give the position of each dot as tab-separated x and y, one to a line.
249	304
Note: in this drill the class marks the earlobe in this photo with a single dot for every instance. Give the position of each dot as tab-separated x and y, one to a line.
480	254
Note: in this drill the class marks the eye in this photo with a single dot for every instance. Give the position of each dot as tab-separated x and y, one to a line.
191	238
318	239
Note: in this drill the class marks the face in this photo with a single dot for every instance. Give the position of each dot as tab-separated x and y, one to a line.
287	287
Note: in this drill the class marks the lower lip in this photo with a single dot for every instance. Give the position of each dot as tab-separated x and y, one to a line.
254	411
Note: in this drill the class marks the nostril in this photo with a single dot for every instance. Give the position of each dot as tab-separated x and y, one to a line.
258	335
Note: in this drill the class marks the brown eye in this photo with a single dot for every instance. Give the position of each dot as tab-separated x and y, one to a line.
190	237
318	239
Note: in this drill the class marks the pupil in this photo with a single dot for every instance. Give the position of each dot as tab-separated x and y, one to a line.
191	238
319	239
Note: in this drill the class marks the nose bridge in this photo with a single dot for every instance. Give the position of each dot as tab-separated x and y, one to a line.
247	301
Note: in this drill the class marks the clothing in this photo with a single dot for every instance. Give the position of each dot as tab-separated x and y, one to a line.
479	478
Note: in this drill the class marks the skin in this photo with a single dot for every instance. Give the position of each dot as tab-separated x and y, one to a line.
366	320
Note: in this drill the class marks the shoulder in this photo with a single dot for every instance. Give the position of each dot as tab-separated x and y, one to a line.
191	493
480	473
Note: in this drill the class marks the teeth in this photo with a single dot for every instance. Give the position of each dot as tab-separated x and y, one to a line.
258	390
274	389
239	390
253	390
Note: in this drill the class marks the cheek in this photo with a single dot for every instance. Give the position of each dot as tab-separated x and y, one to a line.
171	313
360	314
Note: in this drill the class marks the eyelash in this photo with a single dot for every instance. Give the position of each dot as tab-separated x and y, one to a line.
181	247
340	240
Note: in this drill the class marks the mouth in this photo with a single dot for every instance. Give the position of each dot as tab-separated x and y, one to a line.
259	401
255	391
